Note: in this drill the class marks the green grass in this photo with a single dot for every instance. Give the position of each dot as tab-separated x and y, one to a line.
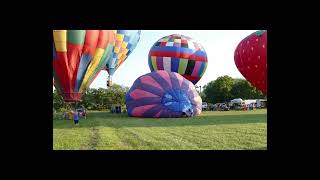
228	130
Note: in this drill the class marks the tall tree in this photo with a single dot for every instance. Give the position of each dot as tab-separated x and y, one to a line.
219	90
225	88
58	101
243	89
96	99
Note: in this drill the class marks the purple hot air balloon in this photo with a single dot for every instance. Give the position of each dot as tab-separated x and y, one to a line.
163	94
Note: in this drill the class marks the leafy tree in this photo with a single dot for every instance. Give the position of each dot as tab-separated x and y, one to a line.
218	90
225	88
243	89
96	99
58	101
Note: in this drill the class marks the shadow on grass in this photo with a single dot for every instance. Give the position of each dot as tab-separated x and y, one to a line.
105	119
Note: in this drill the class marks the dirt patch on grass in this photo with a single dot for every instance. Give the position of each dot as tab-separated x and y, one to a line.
94	139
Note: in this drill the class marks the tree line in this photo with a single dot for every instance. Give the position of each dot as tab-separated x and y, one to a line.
95	99
224	88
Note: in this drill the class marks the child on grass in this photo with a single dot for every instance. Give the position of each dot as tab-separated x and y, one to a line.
76	117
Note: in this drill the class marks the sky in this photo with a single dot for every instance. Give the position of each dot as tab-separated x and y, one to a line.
218	44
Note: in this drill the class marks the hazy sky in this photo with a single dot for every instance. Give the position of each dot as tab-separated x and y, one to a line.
218	44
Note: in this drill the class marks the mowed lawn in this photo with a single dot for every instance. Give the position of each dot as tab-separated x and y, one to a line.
212	130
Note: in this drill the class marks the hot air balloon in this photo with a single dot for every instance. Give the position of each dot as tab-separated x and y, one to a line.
250	58
163	94
78	57
126	41
181	54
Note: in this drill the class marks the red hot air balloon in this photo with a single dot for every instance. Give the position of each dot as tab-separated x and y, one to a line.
250	58
78	57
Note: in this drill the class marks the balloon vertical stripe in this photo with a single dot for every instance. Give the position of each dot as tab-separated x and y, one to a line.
182	66
60	40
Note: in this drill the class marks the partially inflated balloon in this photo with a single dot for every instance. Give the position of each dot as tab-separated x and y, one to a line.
126	41
163	94
181	54
78	57
250	58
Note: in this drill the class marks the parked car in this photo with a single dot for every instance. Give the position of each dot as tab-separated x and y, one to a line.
210	107
204	106
237	107
221	107
224	107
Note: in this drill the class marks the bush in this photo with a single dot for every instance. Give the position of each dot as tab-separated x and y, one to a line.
63	109
57	116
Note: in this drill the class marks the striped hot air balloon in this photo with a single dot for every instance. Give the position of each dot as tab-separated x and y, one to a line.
181	54
163	94
126	41
78	57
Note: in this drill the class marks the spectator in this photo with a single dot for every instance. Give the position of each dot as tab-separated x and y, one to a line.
76	115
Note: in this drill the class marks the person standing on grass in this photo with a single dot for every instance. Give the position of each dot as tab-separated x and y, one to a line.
70	114
65	115
76	117
84	114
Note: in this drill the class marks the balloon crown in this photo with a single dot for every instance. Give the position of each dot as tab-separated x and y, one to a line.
259	33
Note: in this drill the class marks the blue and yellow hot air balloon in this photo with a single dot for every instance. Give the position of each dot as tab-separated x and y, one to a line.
78	57
125	43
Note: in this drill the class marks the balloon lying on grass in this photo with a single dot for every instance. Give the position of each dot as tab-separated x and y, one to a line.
180	54
126	42
250	58
78	57
163	94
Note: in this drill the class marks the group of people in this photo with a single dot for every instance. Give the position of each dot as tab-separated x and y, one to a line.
116	109
75	115
249	107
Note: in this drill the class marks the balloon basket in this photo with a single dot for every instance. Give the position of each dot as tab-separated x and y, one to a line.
109	83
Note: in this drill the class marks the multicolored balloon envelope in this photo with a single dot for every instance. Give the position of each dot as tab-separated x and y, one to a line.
126	42
250	58
163	94
78	57
181	54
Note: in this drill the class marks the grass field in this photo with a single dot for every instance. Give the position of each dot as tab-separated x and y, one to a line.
228	130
